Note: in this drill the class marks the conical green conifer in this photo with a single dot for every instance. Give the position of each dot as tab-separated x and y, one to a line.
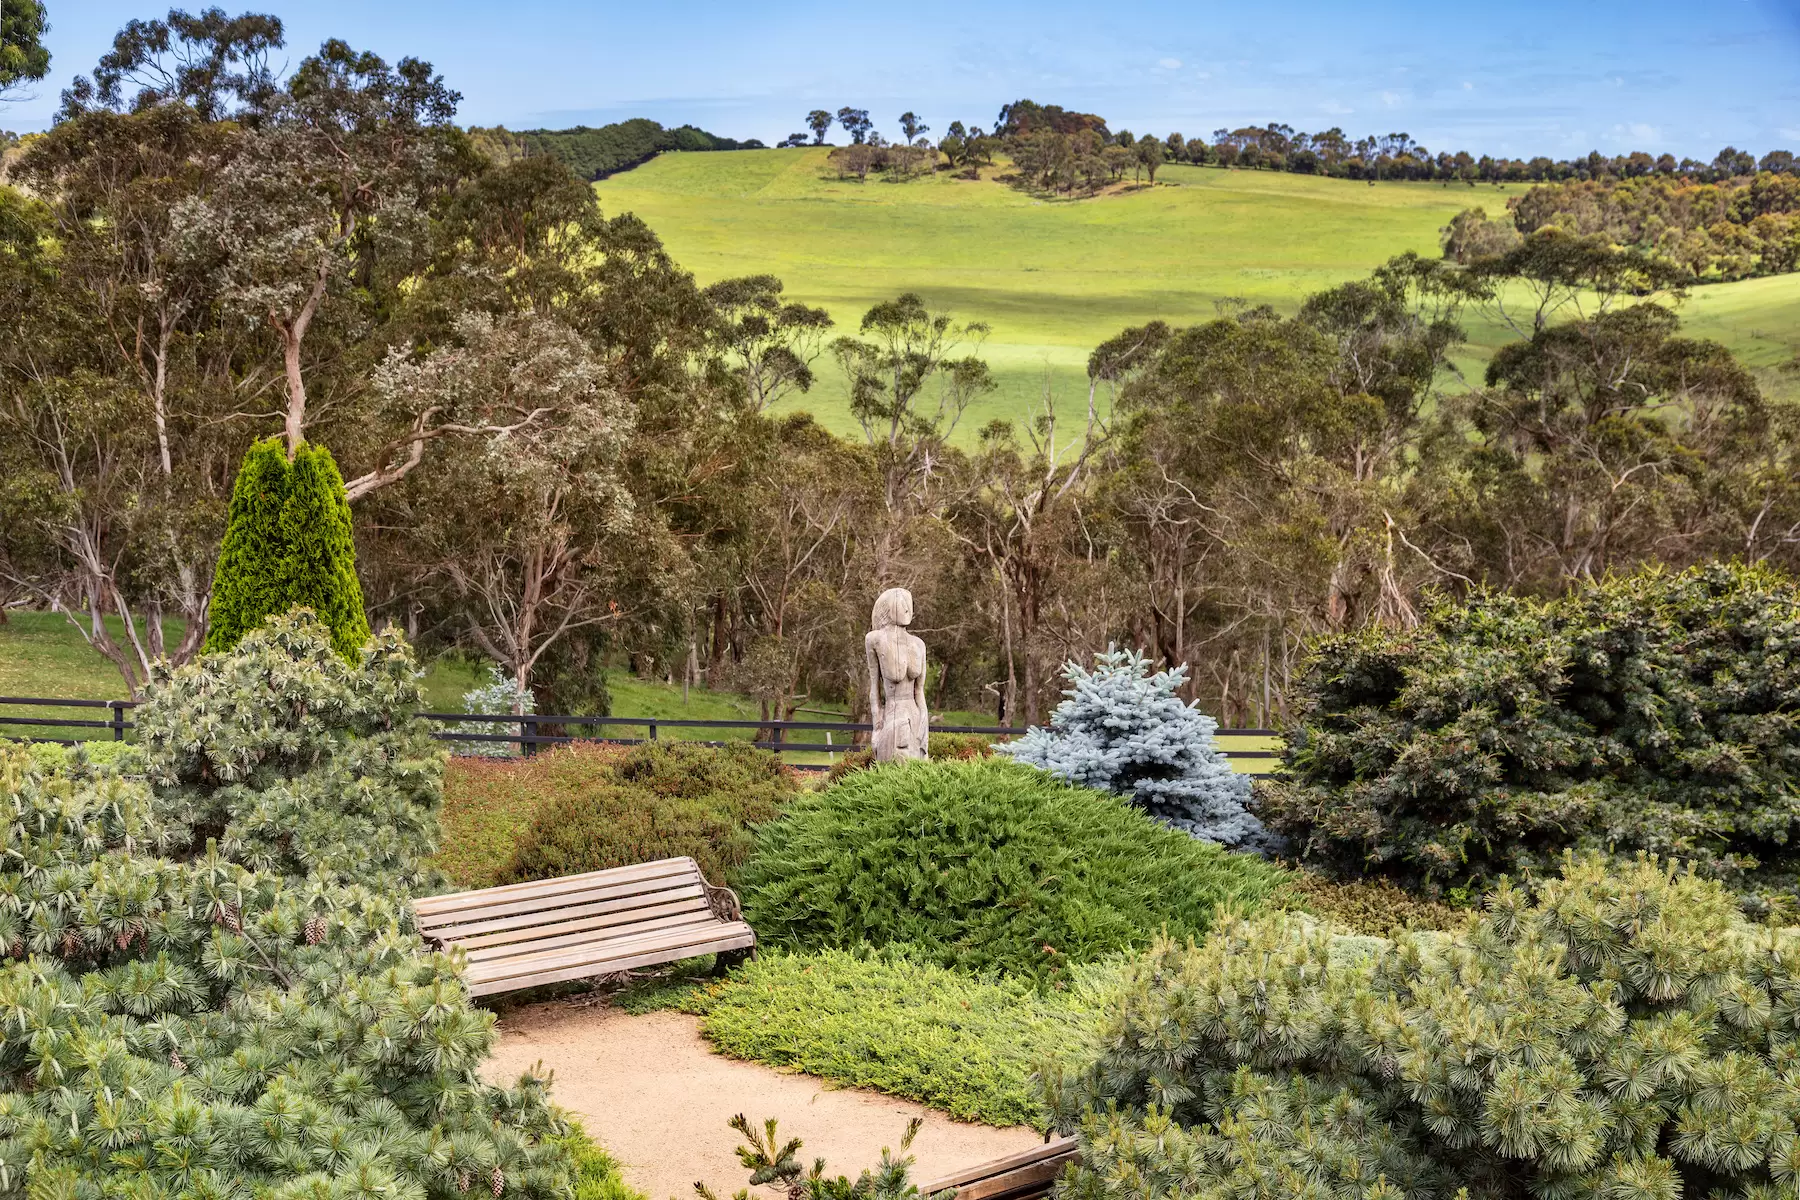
288	543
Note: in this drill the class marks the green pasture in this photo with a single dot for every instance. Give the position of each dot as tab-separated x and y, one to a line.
1055	277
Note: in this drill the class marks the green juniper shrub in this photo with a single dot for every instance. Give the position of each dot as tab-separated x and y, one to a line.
896	1022
297	761
288	543
1615	1032
1648	712
988	865
215	1030
601	809
941	748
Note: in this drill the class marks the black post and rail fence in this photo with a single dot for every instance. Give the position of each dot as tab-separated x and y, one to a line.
529	736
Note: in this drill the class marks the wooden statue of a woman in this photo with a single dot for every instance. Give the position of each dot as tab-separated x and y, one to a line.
896	679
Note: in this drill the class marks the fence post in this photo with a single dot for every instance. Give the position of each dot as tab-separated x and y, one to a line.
118	719
528	727
653	731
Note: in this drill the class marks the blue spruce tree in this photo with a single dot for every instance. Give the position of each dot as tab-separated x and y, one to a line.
1124	730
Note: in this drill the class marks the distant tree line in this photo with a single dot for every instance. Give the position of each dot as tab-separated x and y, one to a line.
1062	150
597	153
1734	228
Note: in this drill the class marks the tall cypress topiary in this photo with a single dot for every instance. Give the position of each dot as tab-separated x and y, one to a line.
288	543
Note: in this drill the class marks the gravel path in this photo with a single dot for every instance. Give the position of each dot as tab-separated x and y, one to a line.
653	1093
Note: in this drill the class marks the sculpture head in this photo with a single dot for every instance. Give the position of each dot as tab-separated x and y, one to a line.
892	607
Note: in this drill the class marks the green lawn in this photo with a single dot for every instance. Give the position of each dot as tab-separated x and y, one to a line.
1054	278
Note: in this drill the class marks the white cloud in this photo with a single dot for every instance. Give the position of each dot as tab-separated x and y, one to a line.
1393	99
1638	131
1169	64
1335	108
1467	86
1792	135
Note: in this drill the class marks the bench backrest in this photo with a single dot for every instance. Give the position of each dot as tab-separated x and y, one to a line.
620	902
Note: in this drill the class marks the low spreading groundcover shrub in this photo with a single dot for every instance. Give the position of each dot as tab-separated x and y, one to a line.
894	1021
595	808
986	865
1623	1034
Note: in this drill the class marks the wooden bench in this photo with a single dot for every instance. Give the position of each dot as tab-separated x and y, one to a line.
1027	1175
583	926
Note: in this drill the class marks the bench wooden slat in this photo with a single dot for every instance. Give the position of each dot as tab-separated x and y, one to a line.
741	939
556	936
518	929
541	888
632	895
478	924
1023	1176
557	956
580	926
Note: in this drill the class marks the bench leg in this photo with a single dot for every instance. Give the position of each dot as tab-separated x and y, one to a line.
727	959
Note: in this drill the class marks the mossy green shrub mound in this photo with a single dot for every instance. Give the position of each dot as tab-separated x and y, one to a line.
1650	712
894	1021
600	809
288	543
987	865
1620	1034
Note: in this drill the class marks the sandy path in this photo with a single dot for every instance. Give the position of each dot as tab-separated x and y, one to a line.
651	1091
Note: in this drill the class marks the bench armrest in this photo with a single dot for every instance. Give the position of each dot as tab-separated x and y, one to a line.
723	902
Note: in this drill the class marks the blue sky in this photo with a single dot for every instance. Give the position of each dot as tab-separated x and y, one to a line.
1555	77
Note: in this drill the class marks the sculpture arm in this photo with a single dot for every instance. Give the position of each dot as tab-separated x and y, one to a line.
924	716
874	666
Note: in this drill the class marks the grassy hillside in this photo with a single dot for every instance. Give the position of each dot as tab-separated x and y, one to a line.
1054	278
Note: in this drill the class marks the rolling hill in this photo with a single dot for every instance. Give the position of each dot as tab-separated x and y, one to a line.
1054	278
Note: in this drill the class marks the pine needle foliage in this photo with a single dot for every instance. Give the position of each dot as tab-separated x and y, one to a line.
193	1027
1655	712
1124	730
987	865
296	761
773	1162
288	543
1612	1032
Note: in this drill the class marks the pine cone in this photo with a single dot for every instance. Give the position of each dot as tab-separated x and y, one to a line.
71	945
175	1060
463	1180
497	1180
229	916
315	929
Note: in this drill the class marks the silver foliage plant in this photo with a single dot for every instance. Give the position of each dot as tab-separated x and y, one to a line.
1124	730
500	694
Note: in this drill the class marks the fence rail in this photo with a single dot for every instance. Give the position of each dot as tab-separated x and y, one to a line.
530	725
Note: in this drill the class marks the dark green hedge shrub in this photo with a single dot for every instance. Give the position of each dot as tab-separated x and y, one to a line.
988	865
1656	712
288	544
1619	1035
659	800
